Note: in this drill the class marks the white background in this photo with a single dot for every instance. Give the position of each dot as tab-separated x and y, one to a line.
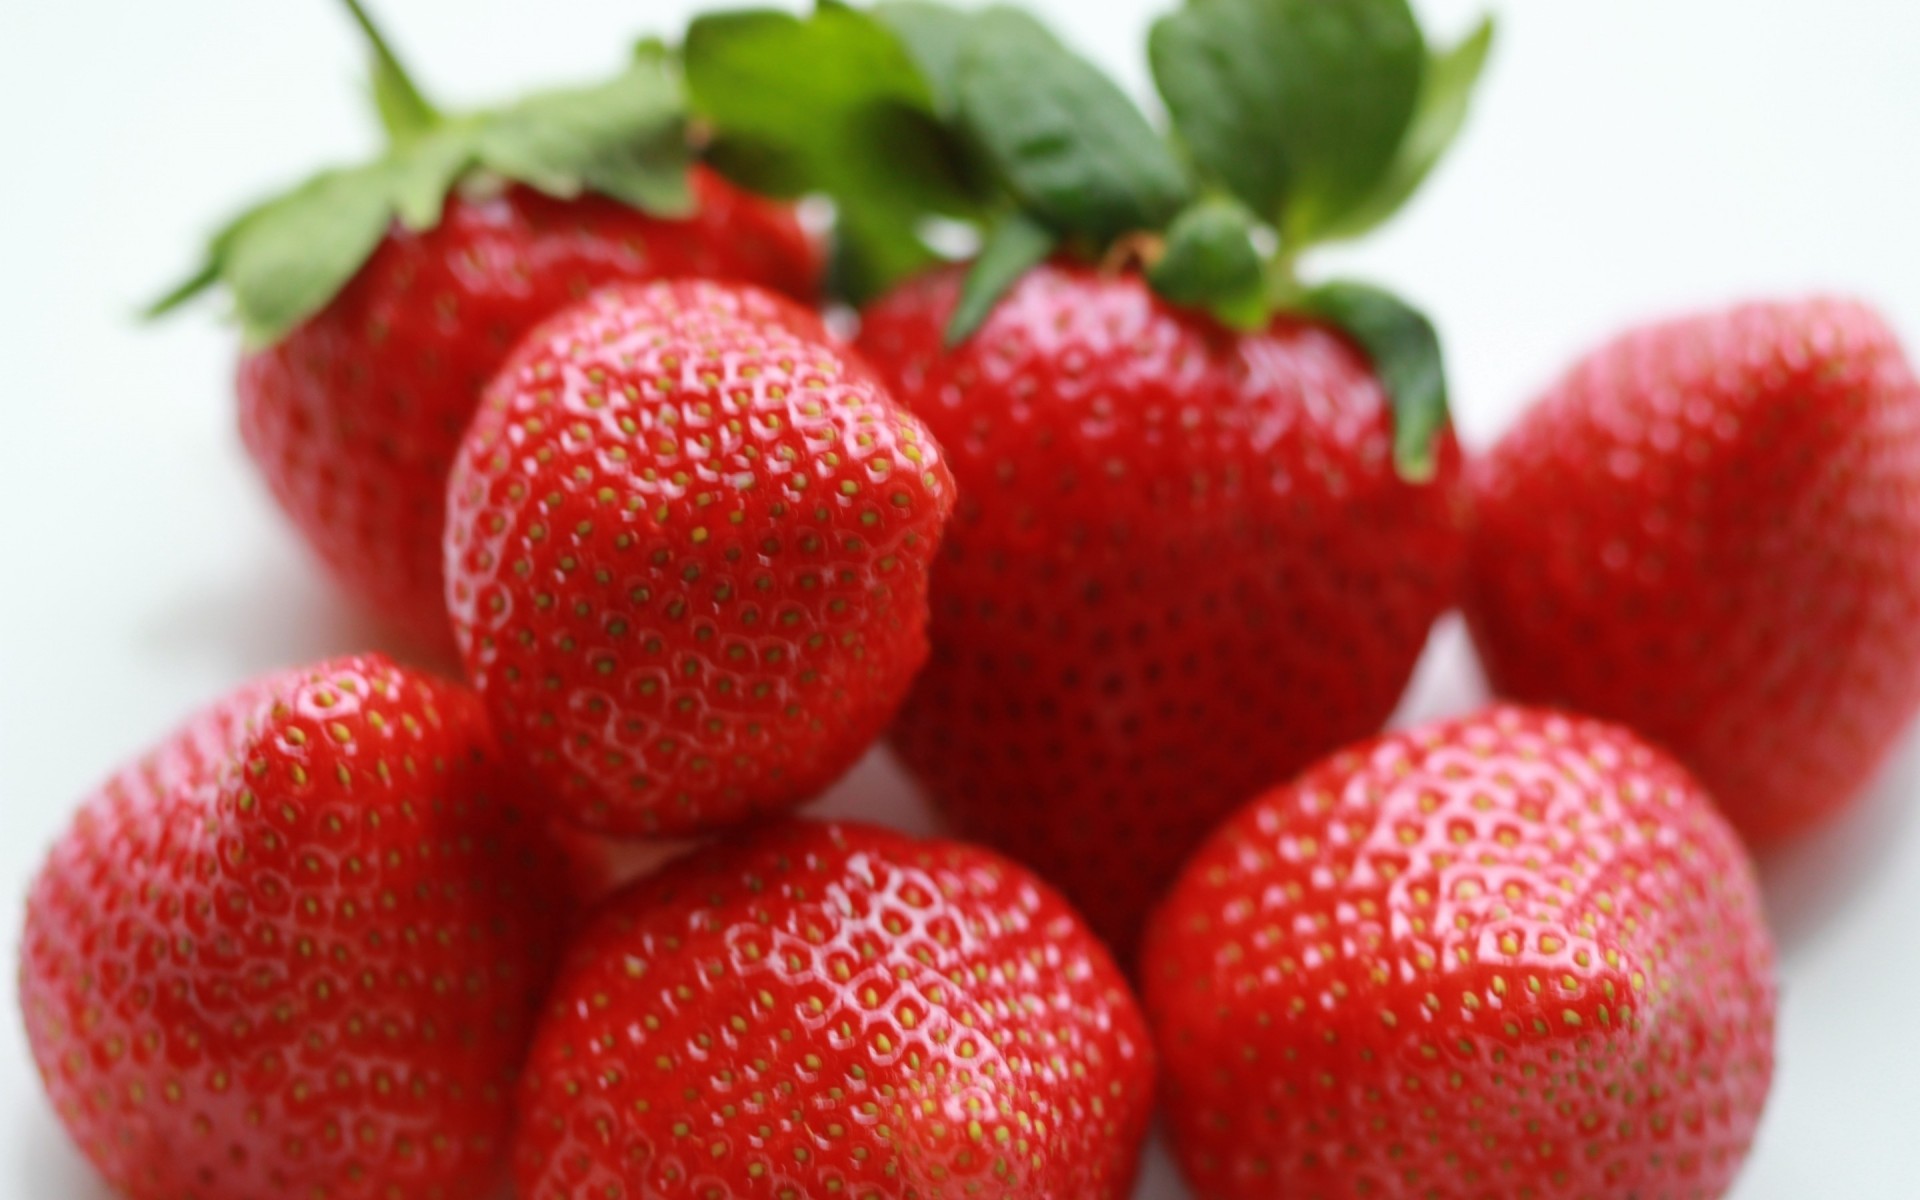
1627	158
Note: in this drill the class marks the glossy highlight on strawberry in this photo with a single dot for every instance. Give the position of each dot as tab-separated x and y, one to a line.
1516	954
1182	568
296	949
355	416
836	1010
687	556
1709	529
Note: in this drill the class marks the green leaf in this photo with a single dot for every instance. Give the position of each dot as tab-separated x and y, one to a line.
934	36
422	177
1296	106
1212	262
187	289
797	88
829	103
872	250
1068	143
1406	355
1445	93
207	275
1015	246
625	138
404	112
285	261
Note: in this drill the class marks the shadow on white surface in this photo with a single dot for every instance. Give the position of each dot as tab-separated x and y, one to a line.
878	791
274	611
50	1164
1159	1179
1808	885
1447	681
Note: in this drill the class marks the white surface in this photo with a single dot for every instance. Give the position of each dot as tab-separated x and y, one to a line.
1627	157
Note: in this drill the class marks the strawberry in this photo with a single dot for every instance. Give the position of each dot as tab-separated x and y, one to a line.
1515	954
687	556
1208	511
1709	530
1182	567
835	1010
296	950
378	301
354	417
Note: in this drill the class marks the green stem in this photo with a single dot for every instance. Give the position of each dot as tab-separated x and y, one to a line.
1284	289
404	111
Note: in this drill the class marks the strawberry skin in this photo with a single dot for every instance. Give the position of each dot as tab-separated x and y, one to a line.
355	416
297	949
1516	955
1181	569
836	1010
1709	530
687	556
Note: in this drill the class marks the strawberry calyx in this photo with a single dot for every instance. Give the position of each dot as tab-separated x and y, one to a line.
283	260
404	109
1313	122
847	103
1294	123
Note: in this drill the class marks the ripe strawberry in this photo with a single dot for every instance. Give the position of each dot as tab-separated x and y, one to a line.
687	556
1516	954
1182	567
1710	530
836	1010
379	301
1207	509
355	416
297	949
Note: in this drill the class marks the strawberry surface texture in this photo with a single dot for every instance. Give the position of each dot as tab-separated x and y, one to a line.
1182	567
1511	956
297	948
1709	529
836	1010
688	555
354	417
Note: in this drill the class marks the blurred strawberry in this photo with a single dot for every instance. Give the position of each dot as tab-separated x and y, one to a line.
1709	529
378	300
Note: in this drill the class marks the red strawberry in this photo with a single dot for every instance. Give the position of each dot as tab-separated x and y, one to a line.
297	949
836	1010
1208	509
687	556
354	417
1710	531
379	300
1512	955
1182	567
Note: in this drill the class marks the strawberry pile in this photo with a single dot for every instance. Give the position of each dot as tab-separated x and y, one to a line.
1125	535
